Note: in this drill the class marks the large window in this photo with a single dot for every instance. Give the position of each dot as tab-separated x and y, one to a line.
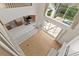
65	13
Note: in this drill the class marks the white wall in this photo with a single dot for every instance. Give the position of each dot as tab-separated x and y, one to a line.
39	9
9	41
6	15
69	35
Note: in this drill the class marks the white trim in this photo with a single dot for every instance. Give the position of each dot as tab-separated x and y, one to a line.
75	21
8	49
7	42
7	39
55	18
66	25
60	35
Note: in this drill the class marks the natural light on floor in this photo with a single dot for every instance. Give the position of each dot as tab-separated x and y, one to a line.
51	29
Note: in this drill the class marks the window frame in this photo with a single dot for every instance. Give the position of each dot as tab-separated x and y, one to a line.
72	25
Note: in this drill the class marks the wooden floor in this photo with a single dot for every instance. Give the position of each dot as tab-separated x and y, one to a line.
39	44
3	52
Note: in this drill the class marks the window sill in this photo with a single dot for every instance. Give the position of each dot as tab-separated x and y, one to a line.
60	22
